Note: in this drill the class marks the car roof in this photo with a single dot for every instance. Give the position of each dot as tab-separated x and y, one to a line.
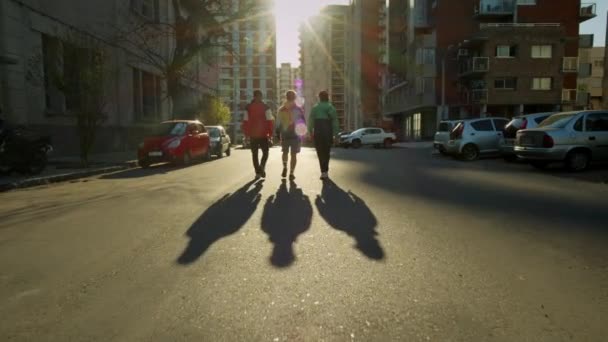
486	118
533	115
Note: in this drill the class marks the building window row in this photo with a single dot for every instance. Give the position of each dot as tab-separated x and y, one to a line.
511	51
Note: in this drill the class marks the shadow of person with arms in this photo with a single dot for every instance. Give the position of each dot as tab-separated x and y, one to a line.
347	212
287	214
224	217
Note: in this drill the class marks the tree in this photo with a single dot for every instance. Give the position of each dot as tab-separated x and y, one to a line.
199	29
212	111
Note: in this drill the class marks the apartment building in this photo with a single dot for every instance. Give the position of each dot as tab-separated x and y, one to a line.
591	74
285	81
251	62
38	35
324	60
472	58
369	35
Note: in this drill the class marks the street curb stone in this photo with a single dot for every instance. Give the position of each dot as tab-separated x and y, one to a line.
65	177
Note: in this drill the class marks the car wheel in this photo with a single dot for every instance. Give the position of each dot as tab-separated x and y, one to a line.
228	151
470	152
143	163
356	143
220	154
388	143
443	152
539	164
207	155
186	159
578	161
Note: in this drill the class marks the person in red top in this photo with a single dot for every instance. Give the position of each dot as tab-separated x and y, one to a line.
258	127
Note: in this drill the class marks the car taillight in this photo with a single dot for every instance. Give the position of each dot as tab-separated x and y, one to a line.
547	141
457	132
524	123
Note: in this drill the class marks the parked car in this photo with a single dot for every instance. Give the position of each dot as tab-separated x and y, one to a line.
473	138
369	136
23	150
518	123
178	141
220	141
442	136
576	138
341	136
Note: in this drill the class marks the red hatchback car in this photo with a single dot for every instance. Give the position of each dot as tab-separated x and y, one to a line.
177	141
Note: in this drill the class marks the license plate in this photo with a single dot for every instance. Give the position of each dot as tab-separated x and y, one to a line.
155	154
527	141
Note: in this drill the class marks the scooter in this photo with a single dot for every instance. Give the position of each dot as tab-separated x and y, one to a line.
23	151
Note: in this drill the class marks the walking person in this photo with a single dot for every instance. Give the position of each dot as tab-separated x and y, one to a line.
323	126
258	127
292	127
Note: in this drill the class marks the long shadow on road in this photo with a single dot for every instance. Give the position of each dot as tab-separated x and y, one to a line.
223	218
346	212
287	214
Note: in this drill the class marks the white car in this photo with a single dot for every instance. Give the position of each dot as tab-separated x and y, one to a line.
369	136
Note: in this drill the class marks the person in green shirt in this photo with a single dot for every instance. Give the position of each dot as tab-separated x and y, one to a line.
322	127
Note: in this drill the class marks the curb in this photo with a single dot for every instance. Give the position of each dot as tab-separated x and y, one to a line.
26	183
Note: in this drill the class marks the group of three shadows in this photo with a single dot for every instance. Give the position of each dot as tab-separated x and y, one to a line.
287	214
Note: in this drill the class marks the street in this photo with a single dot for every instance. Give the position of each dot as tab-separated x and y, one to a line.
401	245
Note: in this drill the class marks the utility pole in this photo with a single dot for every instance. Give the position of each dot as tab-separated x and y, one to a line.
605	79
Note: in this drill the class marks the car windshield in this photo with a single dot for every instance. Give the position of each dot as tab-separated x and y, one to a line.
214	132
444	127
170	128
558	120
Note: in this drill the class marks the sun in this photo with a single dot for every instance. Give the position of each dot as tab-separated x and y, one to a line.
289	12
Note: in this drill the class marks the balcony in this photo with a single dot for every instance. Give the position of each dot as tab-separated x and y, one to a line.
585	41
587	11
569	95
473	66
493	9
479	96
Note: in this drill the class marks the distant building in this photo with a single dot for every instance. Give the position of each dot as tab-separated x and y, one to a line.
476	58
251	65
591	76
324	60
286	79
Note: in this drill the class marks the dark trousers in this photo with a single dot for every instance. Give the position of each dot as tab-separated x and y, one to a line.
256	145
323	147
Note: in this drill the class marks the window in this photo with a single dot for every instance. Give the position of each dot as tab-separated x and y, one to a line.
542	51
146	95
597	122
598	64
578	125
540	119
509	83
483	125
146	8
52	65
526	2
500	124
417	126
256	83
541	83
429	56
506	51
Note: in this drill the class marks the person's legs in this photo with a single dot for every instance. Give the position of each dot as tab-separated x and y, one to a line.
264	146
285	150
295	149
323	150
254	144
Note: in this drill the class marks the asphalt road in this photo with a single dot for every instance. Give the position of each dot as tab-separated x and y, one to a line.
401	246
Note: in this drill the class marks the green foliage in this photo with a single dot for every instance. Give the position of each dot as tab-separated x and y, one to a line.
212	111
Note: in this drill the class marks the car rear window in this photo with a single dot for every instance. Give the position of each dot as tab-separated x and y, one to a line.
540	119
444	127
558	120
483	125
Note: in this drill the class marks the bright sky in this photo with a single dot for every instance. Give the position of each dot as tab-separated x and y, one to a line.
597	25
289	14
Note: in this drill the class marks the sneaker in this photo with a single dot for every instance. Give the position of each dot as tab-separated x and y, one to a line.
292	177
324	175
258	176
284	173
263	174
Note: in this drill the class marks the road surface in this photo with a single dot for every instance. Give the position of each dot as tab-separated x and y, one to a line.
402	245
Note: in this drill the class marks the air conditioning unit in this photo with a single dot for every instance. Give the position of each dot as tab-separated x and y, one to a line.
463	52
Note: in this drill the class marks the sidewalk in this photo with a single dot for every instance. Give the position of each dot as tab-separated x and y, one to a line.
60	169
414	144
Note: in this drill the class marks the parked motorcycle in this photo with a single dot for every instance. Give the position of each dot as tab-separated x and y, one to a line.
23	151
